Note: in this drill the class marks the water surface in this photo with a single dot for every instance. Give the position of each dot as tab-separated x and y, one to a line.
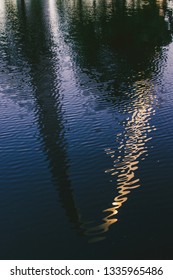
86	121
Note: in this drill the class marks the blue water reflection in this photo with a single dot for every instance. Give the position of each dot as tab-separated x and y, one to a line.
86	118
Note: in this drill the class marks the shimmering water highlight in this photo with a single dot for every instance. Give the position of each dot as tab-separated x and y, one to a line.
86	129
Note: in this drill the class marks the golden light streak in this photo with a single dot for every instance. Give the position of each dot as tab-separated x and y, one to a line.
132	147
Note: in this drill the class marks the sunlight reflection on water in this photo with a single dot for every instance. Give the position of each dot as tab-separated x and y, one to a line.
83	87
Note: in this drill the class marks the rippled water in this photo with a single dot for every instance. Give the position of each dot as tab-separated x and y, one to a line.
86	95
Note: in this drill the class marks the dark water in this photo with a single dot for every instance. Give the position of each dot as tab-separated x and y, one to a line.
86	118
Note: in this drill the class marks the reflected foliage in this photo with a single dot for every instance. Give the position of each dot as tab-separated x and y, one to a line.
118	44
127	26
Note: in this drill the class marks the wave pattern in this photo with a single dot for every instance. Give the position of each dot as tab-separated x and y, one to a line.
131	149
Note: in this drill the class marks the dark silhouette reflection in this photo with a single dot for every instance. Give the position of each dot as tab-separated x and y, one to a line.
128	35
122	41
34	39
133	31
123	24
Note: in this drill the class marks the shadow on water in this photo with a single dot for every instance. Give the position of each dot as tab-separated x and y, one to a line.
119	40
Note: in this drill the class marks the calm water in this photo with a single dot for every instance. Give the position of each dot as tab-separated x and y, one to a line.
86	138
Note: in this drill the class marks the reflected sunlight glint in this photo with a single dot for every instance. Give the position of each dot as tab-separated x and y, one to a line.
132	148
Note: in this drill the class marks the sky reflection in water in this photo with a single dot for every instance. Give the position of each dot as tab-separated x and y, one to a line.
83	82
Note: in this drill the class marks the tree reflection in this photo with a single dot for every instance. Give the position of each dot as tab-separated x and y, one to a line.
128	35
131	33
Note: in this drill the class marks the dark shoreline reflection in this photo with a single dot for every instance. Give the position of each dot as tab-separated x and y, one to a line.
123	29
118	46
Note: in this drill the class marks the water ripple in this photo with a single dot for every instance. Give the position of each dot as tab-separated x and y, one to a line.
131	145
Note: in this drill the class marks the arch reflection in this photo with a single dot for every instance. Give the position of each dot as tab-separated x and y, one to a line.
131	149
131	47
32	36
114	30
